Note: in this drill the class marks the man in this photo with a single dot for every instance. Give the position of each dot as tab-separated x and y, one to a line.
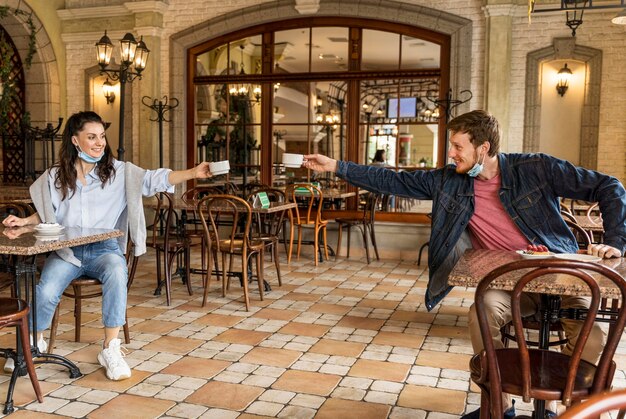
492	200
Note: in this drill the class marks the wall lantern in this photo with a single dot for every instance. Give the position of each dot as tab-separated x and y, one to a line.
564	76
109	93
620	19
134	57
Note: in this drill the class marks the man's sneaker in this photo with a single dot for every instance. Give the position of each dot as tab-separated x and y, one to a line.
112	359
9	364
508	413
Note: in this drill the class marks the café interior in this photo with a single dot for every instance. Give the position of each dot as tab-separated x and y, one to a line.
344	333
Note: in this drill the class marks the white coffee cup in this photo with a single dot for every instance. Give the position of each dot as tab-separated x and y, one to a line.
219	167
293	160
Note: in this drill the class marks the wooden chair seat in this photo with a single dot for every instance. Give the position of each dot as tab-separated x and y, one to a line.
548	369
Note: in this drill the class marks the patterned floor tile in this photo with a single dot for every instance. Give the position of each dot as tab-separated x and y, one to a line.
307	382
225	395
196	367
349	409
131	406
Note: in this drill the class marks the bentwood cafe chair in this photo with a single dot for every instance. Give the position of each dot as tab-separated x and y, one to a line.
542	374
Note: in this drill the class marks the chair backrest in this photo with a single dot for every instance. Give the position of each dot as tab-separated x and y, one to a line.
13	208
596	405
165	220
310	199
528	270
193	195
581	235
235	235
272	222
369	209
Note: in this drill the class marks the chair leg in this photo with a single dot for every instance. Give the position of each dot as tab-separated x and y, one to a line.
53	329
224	276
373	240
339	229
78	306
28	358
325	243
259	272
126	331
244	274
168	259
316	249
187	253
349	239
291	228
207	278
419	256
300	243
277	262
365	244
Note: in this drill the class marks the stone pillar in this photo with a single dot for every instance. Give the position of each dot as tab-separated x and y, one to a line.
498	63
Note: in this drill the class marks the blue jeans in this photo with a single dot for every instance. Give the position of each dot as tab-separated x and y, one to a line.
103	261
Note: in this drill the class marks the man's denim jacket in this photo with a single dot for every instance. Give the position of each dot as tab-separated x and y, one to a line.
531	185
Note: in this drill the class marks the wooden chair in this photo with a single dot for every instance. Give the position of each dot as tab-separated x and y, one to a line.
537	373
365	223
169	240
76	291
232	241
598	404
308	214
14	312
268	227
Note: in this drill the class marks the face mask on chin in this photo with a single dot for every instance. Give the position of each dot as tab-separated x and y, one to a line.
476	169
86	157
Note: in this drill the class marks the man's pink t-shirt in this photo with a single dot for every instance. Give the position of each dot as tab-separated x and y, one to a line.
491	227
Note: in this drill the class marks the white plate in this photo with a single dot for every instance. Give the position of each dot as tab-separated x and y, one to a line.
579	257
525	255
48	237
51	230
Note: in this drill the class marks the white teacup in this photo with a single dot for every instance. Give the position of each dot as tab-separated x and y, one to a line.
293	160
219	167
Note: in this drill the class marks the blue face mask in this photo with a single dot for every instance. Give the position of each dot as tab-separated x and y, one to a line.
476	169
86	157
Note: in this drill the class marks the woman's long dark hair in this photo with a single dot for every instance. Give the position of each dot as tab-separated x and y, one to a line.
66	177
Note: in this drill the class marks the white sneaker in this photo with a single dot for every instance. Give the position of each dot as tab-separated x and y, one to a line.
9	364
112	359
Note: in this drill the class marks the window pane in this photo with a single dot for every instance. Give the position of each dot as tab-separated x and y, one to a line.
329	49
291	50
245	55
380	51
212	62
417	53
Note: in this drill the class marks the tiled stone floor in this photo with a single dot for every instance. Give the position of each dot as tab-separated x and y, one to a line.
343	340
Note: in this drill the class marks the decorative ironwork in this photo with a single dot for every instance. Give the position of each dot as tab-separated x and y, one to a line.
160	107
13	110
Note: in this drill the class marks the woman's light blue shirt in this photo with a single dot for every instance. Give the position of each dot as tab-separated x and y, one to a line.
93	206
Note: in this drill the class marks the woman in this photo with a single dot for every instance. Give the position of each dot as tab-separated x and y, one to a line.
379	159
89	188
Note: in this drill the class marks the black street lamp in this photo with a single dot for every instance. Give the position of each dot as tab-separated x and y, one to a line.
133	57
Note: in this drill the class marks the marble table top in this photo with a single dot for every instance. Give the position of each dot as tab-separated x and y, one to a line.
474	265
24	240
